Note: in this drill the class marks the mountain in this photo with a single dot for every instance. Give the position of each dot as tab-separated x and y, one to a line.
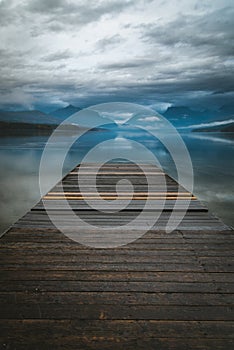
182	112
181	116
220	126
145	121
91	119
184	117
28	117
63	113
227	109
37	120
25	129
24	123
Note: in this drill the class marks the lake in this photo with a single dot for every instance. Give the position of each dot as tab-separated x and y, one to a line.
211	154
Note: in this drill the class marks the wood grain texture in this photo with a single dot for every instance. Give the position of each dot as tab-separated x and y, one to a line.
165	291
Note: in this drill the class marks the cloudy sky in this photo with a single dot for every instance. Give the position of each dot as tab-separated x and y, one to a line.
153	52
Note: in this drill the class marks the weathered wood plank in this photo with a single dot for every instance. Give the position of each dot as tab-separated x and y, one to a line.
163	291
116	312
116	286
94	275
115	298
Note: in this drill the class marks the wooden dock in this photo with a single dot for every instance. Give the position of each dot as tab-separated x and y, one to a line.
164	291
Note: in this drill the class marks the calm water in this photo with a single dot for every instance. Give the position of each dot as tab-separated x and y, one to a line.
212	157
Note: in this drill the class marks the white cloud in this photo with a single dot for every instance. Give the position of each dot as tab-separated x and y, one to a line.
149	119
203	125
18	97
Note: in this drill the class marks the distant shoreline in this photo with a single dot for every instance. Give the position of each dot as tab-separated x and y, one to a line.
32	129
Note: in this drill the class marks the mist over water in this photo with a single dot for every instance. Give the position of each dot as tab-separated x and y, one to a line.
211	154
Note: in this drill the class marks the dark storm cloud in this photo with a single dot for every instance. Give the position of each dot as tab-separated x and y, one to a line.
58	56
83	52
207	43
58	15
108	43
210	33
49	6
69	14
6	13
65	6
136	63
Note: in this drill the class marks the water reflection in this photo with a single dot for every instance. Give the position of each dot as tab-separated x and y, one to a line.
20	158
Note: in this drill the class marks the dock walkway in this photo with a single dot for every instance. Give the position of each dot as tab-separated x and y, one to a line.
163	291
